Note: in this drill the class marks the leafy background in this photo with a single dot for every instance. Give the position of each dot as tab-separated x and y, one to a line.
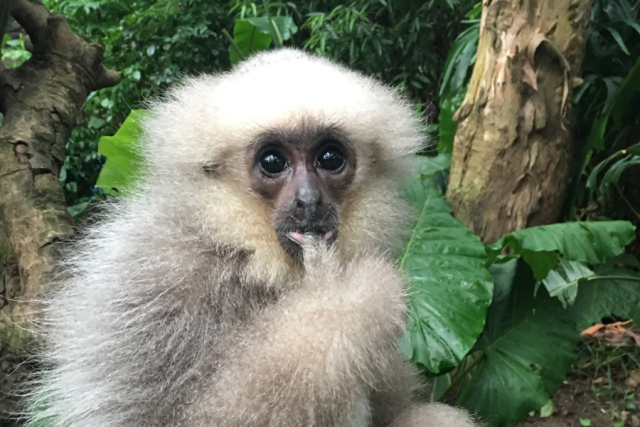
493	328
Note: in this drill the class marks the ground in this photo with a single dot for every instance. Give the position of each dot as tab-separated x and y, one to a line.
603	390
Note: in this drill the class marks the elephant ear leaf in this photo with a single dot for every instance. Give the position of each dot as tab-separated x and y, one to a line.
588	242
523	354
528	343
450	286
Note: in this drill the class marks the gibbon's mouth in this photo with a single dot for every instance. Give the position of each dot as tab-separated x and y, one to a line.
298	236
291	240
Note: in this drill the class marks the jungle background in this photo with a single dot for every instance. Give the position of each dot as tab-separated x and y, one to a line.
523	261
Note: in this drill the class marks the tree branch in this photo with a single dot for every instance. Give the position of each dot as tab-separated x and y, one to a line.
41	101
32	16
50	33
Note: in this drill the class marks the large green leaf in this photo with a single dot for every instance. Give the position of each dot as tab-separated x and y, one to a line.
589	242
461	58
455	78
610	290
450	286
122	151
523	353
256	34
275	25
247	38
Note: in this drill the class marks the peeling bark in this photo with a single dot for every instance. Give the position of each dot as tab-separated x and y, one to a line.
513	148
40	101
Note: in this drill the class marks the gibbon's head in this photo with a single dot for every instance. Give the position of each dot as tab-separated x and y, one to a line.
285	144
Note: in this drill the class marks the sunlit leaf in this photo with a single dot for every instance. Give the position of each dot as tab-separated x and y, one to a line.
562	281
121	168
285	25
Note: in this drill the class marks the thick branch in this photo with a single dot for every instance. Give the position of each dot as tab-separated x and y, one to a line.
51	34
41	101
32	16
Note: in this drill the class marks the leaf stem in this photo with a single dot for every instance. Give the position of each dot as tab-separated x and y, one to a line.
234	46
458	379
277	37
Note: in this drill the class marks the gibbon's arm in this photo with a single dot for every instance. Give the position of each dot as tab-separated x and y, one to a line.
312	359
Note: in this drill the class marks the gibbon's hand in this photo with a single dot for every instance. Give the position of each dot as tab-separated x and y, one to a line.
312	357
369	287
319	260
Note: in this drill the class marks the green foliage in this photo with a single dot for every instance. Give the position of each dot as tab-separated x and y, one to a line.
606	107
607	173
122	150
446	319
523	353
14	52
403	42
562	281
255	34
588	242
610	291
528	337
152	43
455	79
527	344
449	104
247	38
507	315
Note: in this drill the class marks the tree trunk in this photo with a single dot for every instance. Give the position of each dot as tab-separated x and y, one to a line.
513	147
40	101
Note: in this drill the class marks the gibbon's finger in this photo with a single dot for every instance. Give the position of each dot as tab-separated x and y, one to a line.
313	247
315	252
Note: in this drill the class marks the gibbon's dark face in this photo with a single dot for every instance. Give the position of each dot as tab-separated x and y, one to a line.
303	174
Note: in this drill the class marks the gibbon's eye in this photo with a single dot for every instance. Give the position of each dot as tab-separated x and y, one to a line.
330	159
272	162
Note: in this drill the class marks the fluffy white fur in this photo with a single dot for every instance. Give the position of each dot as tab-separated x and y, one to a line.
180	308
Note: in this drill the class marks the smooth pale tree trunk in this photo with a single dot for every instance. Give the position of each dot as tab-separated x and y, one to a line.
40	101
513	147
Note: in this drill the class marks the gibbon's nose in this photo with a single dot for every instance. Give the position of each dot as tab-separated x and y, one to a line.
308	196
308	200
